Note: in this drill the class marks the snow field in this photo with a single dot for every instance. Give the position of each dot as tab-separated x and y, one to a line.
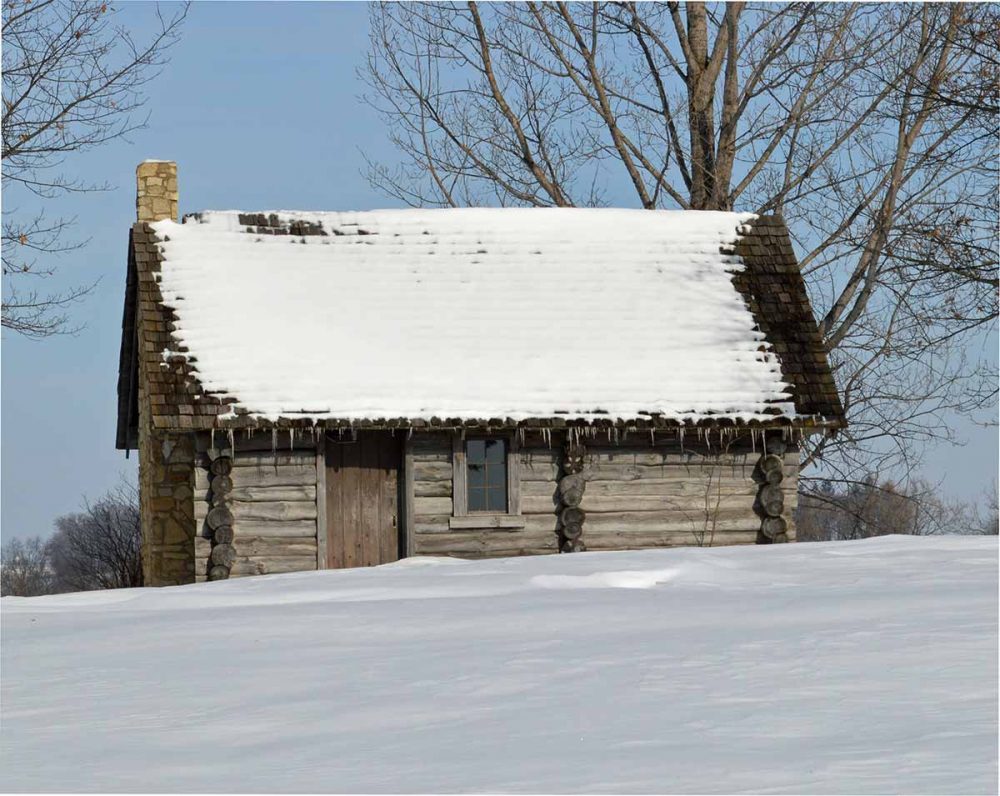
857	667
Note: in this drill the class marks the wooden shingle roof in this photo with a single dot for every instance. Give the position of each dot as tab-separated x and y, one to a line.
769	282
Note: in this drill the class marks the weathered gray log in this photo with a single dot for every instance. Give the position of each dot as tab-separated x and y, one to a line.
218	573
482	542
432	505
218	516
644	457
273	565
271	546
539	471
633	540
223	534
617	471
697	484
432	488
574	545
274	494
773	527
223	555
540	505
279	459
571	488
278	528
572	530
772	500
267	494
671	521
259	510
771	462
572	515
221	485
255	510
440	523
285	475
221	465
432	471
708	500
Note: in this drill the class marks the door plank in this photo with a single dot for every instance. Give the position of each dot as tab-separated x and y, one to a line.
369	500
389	468
351	485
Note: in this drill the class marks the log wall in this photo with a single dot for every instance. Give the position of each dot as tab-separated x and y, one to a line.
273	502
637	495
432	504
643	495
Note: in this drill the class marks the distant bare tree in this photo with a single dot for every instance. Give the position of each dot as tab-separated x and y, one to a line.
24	568
99	548
72	80
869	508
871	127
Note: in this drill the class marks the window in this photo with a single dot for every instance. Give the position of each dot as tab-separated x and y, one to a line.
486	475
485	485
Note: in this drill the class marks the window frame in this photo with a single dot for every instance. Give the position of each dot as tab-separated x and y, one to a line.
461	516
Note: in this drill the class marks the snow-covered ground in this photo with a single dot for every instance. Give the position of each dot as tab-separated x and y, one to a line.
864	667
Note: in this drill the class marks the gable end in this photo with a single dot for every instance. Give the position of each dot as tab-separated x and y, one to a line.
774	290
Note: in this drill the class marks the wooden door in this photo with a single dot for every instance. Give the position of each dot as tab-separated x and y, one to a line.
362	499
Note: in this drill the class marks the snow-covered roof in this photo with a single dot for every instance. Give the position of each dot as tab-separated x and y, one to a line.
470	314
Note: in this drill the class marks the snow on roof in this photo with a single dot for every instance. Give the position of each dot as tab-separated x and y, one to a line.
470	313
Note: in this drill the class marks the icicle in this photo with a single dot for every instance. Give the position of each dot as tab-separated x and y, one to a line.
652	437
274	443
211	438
232	444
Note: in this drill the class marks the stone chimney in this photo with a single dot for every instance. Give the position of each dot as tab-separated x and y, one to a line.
156	190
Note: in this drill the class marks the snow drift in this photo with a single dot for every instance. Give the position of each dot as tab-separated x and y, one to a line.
812	668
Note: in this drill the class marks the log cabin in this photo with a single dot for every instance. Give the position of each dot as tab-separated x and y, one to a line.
310	390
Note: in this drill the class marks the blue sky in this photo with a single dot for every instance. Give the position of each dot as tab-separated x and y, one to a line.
260	107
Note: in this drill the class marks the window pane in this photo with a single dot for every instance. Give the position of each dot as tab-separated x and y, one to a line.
477	500
494	451
477	476
497	499
475	451
496	476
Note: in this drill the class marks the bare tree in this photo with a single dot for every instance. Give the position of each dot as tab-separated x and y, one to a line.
871	127
73	79
100	547
24	568
833	511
